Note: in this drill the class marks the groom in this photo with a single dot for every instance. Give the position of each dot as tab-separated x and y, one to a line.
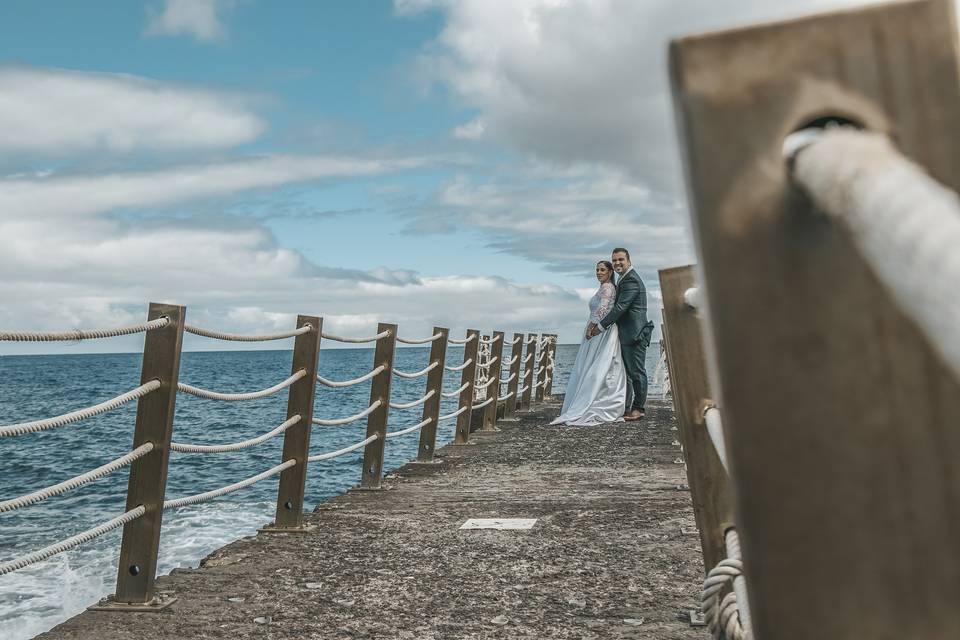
630	313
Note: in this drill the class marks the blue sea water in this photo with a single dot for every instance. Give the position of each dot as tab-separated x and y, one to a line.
35	599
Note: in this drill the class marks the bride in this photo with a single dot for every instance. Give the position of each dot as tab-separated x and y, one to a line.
597	387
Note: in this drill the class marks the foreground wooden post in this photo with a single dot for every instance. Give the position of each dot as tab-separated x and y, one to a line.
377	421
147	483
516	357
296	439
493	391
431	408
541	368
529	364
551	364
709	485
468	375
841	421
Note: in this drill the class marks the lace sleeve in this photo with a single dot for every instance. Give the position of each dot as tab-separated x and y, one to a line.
608	295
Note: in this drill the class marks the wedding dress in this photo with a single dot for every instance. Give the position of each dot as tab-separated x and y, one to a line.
597	387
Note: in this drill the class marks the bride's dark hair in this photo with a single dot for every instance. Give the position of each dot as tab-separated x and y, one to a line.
609	266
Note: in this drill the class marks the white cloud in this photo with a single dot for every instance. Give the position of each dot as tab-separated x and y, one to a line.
472	130
200	19
59	112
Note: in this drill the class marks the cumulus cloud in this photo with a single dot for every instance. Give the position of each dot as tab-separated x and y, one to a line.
200	19
60	112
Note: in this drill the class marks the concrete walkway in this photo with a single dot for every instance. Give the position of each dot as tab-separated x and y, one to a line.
606	558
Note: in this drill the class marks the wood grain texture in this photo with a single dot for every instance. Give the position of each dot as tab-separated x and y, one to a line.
431	408
372	474
469	374
493	391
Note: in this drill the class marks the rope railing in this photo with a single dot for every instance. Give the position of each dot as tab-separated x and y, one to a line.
454	414
332	422
460	367
484	403
464	341
712	418
691	297
522	389
77	481
729	617
454	394
508	380
330	336
403	374
72	541
237	397
485	384
236	446
82	334
511	361
349	383
81	414
492	340
432	338
415	403
505	398
222	491
339	452
403	432
236	337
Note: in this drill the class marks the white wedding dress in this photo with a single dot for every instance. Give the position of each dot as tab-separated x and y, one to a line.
597	387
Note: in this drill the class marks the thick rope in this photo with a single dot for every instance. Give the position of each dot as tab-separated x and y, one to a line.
78	481
486	384
403	432
403	374
460	367
714	424
516	340
415	403
464	341
435	336
522	389
222	491
345	450
904	223
453	394
236	397
82	414
691	297
454	414
492	340
236	446
71	542
505	398
484	403
509	380
527	359
337	421
350	383
723	617
330	336
82	334
235	337
511	361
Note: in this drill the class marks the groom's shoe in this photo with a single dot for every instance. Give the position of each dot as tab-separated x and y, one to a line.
634	415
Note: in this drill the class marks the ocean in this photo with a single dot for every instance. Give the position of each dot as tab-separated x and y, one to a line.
35	599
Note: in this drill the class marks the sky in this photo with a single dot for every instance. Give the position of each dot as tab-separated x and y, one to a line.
423	162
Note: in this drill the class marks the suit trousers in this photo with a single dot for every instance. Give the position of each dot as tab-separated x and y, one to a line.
634	361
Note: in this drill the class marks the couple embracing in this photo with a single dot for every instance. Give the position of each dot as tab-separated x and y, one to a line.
609	379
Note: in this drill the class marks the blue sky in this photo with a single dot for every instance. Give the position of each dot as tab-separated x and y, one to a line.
417	161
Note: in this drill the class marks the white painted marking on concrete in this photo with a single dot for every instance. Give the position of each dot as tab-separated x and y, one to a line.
499	523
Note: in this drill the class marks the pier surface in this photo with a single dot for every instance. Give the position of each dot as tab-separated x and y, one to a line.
607	557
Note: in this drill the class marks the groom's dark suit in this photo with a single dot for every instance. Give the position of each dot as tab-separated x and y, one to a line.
629	312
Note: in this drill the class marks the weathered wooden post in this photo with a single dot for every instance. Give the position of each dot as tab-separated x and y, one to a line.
147	483
840	420
377	420
431	408
296	439
551	364
493	391
468	378
541	368
709	485
529	363
516	357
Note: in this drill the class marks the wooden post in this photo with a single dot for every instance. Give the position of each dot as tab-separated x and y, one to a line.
468	374
493	391
516	356
840	421
431	408
709	485
541	369
551	360
147	483
377	421
529	364
296	439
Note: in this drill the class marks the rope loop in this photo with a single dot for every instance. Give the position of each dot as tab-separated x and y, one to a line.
236	446
460	367
453	394
432	338
403	432
237	397
236	337
344	451
338	421
349	383
415	403
230	488
454	414
464	341
403	374
330	336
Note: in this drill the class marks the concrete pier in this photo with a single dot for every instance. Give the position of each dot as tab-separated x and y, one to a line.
607	557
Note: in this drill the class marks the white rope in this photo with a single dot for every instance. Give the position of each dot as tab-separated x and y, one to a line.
492	340
81	414
516	340
222	491
904	223
330	336
464	341
727	618
486	384
350	383
82	334
691	298
509	380
337	421
522	389
527	359
454	414
505	398
511	361
403	374
340	452
403	432
460	367
71	542
236	337
236	446
484	403
235	397
453	394
435	336
415	403
78	481
715	429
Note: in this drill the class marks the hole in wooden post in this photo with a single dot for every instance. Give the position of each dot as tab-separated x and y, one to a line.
806	133
288	505
134	570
